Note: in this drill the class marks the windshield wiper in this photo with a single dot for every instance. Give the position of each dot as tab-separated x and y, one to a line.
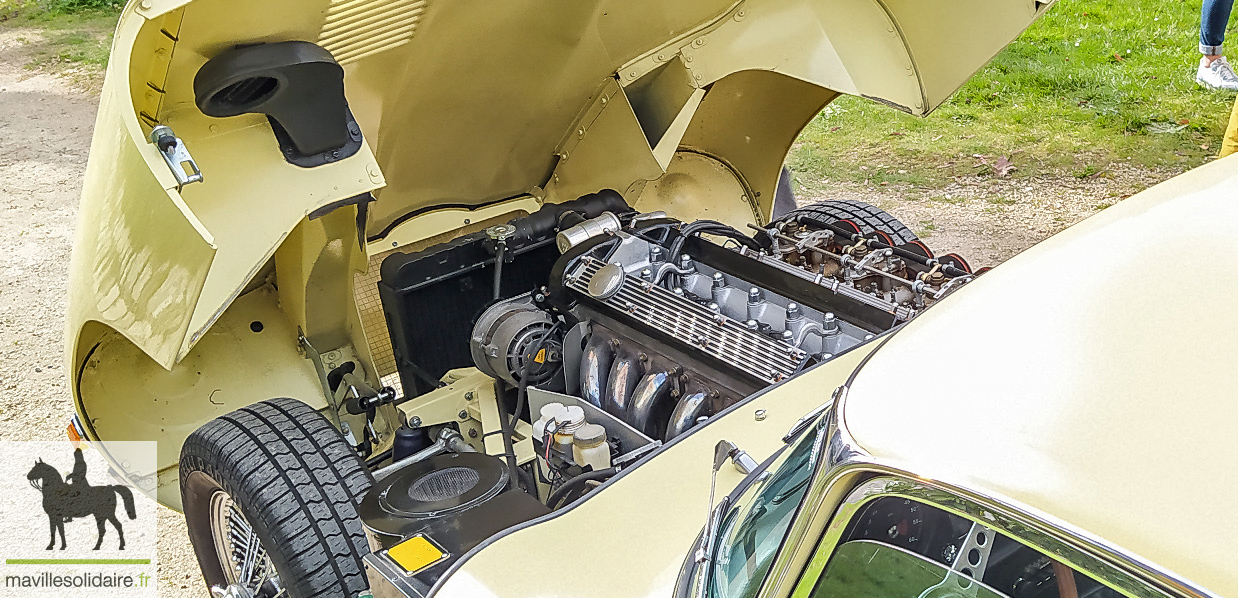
725	450
804	422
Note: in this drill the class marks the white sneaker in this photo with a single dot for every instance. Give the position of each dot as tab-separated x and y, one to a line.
1217	76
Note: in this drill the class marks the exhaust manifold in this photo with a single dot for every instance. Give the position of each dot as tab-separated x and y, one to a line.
649	394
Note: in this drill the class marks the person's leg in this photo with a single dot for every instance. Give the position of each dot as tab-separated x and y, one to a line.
1230	145
1214	71
1213	19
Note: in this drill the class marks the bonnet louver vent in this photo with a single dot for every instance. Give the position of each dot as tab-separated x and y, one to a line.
355	29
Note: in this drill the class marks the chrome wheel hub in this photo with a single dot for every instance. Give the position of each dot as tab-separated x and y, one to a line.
246	565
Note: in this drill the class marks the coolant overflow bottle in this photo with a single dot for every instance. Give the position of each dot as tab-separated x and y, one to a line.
589	447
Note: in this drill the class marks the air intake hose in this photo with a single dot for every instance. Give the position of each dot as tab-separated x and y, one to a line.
546	220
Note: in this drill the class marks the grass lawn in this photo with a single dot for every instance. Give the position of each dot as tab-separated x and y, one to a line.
1094	82
73	36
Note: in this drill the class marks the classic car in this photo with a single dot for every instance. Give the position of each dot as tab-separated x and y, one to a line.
466	298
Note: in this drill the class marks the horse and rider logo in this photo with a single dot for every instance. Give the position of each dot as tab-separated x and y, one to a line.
71	497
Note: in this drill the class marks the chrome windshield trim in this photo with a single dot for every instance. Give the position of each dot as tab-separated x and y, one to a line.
845	459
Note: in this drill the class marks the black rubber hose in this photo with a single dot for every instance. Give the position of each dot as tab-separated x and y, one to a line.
903	253
508	424
690	229
558	494
499	253
545	220
527	479
710	227
509	451
522	388
570	218
373	461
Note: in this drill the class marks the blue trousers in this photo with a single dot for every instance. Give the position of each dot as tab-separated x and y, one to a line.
1212	23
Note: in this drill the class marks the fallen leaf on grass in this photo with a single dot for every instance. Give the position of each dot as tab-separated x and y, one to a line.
1003	166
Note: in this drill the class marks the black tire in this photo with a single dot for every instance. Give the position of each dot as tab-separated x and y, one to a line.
784	196
867	217
296	480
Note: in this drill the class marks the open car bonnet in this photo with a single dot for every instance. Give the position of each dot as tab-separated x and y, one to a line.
464	104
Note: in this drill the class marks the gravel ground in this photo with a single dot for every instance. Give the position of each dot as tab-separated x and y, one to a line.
46	138
43	152
989	220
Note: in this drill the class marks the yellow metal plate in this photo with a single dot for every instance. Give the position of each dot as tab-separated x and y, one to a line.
416	553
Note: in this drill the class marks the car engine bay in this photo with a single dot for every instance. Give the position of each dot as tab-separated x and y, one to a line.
606	333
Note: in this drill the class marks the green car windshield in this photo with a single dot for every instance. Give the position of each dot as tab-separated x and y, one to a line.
748	544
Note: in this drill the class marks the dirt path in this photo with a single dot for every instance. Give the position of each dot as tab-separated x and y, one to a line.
44	144
45	133
990	220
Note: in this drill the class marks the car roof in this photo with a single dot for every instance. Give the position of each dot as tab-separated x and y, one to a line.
1092	378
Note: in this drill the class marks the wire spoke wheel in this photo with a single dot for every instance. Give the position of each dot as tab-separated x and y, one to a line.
270	494
246	565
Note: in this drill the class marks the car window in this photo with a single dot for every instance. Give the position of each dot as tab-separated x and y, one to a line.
866	569
896	546
751	538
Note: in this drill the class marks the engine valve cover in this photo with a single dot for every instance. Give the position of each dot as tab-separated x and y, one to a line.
709	331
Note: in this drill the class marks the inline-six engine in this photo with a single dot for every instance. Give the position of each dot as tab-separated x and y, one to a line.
663	324
606	332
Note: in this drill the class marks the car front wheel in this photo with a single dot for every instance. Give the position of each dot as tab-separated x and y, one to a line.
270	494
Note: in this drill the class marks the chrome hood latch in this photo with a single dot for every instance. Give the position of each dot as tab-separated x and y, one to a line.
176	155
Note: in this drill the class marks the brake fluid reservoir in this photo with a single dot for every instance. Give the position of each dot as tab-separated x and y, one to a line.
571	419
551	412
589	447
